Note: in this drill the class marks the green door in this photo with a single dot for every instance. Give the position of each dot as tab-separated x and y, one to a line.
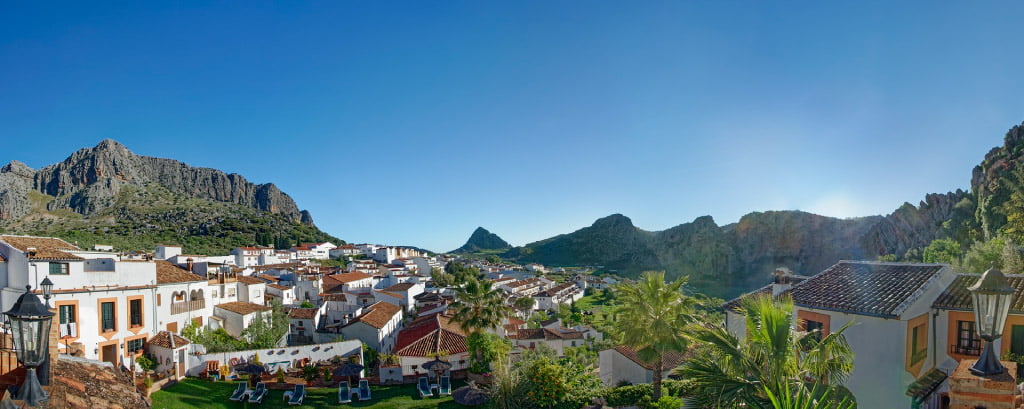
1017	339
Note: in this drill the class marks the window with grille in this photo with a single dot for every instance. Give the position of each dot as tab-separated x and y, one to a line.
135	311
107	317
967	341
136	344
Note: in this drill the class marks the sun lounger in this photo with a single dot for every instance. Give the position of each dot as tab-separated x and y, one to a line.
298	395
344	393
239	392
445	387
364	389
258	394
423	385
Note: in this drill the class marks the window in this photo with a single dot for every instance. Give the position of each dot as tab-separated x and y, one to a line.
967	342
59	268
135	312
158	300
68	321
107	317
136	344
815	328
918	345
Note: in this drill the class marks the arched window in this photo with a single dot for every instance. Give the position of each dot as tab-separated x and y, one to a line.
179	296
200	294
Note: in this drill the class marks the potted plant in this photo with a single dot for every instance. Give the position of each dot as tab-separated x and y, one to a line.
280	375
147	382
309	373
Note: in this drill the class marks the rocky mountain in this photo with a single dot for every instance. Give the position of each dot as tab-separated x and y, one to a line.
482	240
107	190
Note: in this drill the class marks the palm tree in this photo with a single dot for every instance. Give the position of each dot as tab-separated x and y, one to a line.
729	372
524	305
651	319
478	306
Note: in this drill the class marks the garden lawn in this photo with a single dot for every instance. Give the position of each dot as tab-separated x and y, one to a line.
194	393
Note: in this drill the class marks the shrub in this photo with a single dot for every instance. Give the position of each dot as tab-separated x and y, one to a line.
146	363
148	382
629	395
280	375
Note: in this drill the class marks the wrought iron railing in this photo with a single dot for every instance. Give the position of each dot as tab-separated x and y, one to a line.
973	349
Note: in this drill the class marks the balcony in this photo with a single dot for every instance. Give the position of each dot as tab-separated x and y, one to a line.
972	349
186	306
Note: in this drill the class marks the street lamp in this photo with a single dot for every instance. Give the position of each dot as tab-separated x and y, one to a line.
29	321
992	295
47	287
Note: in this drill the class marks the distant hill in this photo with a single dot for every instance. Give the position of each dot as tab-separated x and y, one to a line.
107	194
482	240
728	260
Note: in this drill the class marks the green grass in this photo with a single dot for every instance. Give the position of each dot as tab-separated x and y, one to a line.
194	393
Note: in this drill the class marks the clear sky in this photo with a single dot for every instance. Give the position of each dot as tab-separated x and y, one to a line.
414	123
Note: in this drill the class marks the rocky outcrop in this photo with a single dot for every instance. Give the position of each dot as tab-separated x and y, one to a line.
481	239
91	178
15	184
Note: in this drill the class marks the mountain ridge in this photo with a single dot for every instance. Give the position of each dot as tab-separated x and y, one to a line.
106	188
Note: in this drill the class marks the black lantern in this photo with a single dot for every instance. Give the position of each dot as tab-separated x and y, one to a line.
29	321
992	295
47	287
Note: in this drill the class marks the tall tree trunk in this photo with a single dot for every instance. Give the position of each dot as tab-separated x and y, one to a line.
658	369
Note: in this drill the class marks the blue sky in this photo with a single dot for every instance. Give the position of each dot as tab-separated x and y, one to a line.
413	123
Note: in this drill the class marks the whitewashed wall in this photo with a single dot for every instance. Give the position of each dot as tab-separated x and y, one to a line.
319	352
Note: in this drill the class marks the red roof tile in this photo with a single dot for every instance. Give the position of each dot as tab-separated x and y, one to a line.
670	360
429	335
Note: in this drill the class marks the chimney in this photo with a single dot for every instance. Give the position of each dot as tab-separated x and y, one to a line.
782	280
190	265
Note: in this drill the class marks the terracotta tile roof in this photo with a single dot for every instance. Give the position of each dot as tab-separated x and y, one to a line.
268	277
390	294
429	335
302	313
378	315
249	280
334	297
735	303
670	360
515	321
555	290
547	334
169	273
279	287
400	287
866	288
47	248
956	296
86	384
345	278
163	339
242	307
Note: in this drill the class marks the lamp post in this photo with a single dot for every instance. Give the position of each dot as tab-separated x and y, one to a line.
47	287
29	321
992	295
